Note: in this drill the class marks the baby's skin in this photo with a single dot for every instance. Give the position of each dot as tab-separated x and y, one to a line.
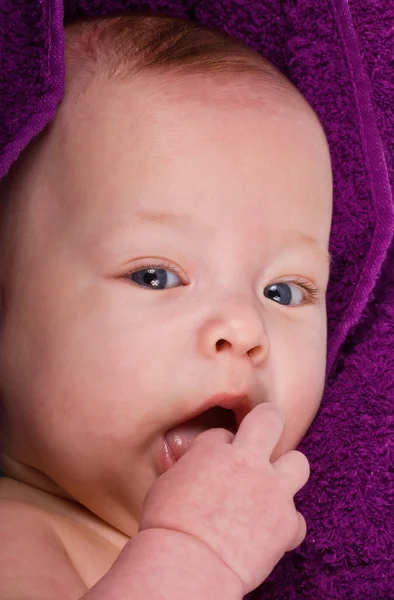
99	360
226	507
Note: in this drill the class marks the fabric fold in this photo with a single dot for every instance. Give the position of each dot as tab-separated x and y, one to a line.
340	56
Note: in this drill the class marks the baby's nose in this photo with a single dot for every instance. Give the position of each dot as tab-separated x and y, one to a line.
240	331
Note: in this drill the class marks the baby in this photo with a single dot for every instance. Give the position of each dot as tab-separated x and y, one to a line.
164	266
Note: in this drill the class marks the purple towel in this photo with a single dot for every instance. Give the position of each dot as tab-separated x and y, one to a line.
340	54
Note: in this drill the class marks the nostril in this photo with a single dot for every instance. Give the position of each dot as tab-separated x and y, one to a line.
220	344
256	353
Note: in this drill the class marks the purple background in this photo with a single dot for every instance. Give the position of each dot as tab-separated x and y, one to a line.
341	56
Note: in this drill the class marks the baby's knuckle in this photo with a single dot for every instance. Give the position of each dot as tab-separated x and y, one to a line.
291	522
247	457
300	457
301	462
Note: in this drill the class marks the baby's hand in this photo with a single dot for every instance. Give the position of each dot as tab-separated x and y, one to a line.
225	492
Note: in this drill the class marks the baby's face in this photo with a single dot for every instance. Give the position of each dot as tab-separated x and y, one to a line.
96	363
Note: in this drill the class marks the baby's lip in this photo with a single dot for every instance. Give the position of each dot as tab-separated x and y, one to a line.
239	404
221	410
180	438
167	459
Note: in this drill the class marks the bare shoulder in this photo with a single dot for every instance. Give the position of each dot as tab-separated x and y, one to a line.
34	564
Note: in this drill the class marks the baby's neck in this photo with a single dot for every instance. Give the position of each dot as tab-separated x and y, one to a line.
30	476
25	484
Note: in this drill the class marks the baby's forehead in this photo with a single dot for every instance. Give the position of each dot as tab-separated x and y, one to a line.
124	116
147	98
48	160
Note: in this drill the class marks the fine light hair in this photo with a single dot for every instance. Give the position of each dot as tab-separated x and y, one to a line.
122	45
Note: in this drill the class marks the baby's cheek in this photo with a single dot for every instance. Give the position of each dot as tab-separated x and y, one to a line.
299	387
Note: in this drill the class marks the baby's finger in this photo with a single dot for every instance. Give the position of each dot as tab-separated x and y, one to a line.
294	470
260	431
212	436
300	533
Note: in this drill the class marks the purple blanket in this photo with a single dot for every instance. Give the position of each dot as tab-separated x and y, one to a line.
340	54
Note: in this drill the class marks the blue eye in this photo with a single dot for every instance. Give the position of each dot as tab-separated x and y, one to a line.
161	276
155	276
281	293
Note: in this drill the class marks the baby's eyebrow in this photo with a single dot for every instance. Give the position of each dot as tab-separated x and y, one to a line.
185	221
165	218
298	237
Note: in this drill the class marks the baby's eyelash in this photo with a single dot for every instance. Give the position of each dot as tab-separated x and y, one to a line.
162	265
313	291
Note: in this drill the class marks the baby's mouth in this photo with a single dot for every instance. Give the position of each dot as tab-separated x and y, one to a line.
180	437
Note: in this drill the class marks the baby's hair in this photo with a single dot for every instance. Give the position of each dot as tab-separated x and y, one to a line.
120	45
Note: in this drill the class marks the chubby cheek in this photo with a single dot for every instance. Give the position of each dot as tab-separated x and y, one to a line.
298	421
99	379
299	385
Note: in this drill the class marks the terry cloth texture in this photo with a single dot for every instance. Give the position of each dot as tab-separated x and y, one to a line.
340	55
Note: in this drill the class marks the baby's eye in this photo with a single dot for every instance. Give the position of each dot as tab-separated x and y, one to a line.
155	277
163	276
282	293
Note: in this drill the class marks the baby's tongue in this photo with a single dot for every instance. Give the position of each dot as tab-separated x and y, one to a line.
180	438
